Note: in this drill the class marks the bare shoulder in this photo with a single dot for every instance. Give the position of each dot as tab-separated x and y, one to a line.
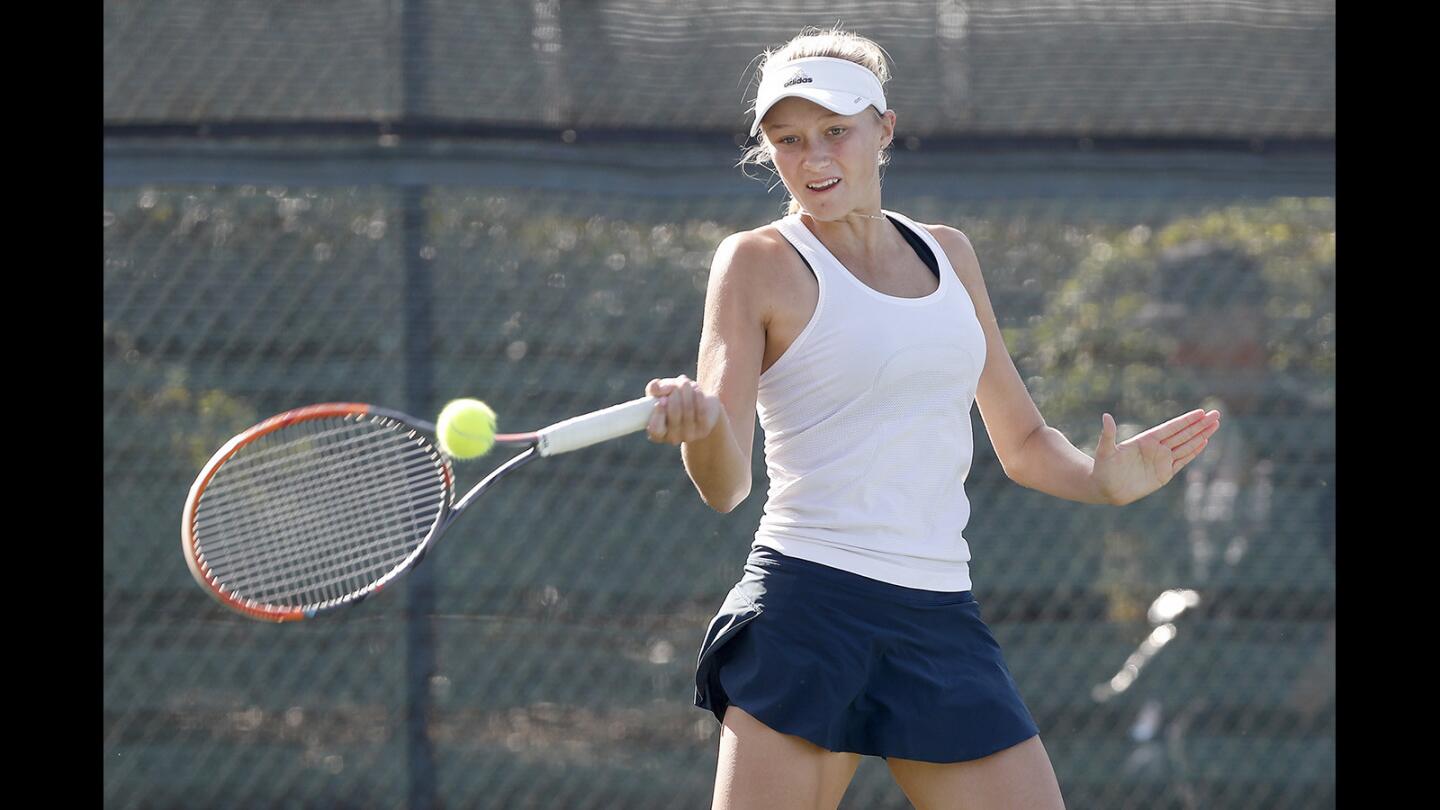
967	266
752	251
756	261
958	249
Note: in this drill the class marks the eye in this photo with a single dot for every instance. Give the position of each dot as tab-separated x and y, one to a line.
837	130
788	139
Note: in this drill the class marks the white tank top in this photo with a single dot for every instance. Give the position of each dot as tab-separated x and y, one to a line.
867	426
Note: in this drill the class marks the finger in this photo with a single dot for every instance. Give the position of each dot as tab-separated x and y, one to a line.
1201	427
1165	430
673	416
1188	457
1189	446
697	403
656	427
659	388
1106	445
1208	425
686	393
693	396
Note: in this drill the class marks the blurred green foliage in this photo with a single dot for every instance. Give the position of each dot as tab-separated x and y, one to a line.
1244	292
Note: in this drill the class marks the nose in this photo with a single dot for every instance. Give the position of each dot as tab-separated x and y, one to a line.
817	156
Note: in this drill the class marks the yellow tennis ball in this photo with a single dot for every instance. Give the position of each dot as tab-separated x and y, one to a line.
466	428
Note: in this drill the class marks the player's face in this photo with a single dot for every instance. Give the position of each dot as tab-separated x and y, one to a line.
829	162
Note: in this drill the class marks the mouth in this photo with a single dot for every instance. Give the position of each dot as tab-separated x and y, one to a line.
822	186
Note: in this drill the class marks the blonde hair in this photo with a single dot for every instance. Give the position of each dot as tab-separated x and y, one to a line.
810	42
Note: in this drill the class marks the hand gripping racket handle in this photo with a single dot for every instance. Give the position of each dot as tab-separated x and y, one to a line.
598	426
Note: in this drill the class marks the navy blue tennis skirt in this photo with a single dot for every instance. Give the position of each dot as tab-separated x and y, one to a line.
854	664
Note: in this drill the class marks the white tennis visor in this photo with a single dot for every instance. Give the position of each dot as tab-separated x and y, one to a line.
838	85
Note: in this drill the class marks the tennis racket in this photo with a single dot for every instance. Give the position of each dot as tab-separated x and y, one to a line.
319	507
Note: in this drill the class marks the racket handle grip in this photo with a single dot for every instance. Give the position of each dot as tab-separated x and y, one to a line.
595	427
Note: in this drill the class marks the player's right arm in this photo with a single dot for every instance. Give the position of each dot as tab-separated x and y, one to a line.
716	451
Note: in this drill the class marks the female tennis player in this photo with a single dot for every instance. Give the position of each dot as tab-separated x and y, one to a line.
862	338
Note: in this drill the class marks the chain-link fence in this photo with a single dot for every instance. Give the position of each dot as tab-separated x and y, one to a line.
1096	67
1176	653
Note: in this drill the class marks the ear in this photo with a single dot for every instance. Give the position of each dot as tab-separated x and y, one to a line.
887	124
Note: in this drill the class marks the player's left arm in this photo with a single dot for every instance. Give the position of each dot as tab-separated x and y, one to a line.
1033	454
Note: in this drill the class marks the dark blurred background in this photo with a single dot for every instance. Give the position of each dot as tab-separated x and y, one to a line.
406	201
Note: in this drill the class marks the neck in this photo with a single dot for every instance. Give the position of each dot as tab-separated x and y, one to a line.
860	214
857	233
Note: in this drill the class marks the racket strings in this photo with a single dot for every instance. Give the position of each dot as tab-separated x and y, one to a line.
232	519
300	563
243	562
319	510
234	490
368	519
263	460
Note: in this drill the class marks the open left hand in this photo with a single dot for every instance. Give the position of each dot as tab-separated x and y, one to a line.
1136	467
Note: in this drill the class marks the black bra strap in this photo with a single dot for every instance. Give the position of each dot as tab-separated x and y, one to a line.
926	254
921	248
